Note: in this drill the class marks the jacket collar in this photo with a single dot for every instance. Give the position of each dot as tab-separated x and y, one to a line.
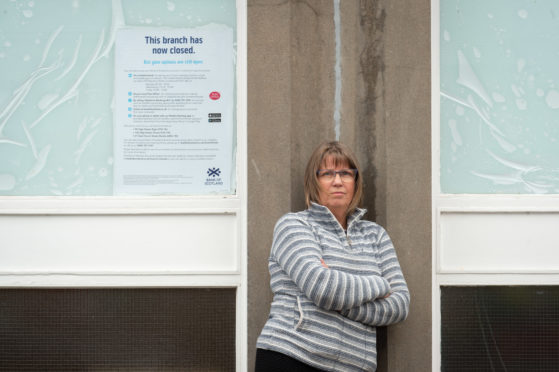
322	214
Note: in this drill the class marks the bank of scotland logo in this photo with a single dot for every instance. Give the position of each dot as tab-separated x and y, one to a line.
213	178
213	172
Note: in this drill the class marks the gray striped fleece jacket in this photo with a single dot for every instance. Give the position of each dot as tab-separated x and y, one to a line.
326	316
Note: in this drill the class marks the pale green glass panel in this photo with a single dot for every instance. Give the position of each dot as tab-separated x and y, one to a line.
499	96
56	86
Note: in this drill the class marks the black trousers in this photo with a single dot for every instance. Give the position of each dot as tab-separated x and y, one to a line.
271	361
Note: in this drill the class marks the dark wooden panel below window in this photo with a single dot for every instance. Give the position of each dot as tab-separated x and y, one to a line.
500	328
147	329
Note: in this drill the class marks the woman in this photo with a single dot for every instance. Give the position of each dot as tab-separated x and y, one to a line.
335	277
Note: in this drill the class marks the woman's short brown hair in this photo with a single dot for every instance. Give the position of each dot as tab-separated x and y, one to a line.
340	154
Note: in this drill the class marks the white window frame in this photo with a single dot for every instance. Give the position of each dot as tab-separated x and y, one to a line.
495	204
231	205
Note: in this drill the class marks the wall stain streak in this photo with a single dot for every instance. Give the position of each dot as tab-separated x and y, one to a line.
307	3
370	111
337	69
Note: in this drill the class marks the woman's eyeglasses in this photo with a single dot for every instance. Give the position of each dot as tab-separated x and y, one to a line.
346	175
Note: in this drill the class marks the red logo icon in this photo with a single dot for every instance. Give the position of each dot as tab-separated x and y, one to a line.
215	95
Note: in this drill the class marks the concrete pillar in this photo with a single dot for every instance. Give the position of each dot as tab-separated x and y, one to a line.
406	189
385	117
269	147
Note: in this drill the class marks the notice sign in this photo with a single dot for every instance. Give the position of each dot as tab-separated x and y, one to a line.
174	100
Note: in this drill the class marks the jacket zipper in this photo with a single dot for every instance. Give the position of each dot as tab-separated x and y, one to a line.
348	240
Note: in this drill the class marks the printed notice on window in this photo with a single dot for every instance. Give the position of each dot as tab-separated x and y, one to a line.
174	111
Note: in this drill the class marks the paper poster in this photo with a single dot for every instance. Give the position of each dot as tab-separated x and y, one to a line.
174	95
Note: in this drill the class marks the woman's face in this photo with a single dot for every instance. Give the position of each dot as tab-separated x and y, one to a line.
335	194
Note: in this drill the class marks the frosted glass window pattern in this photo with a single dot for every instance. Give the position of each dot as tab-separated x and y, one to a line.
499	99
56	89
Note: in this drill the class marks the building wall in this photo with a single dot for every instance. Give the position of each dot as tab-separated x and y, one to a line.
384	54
